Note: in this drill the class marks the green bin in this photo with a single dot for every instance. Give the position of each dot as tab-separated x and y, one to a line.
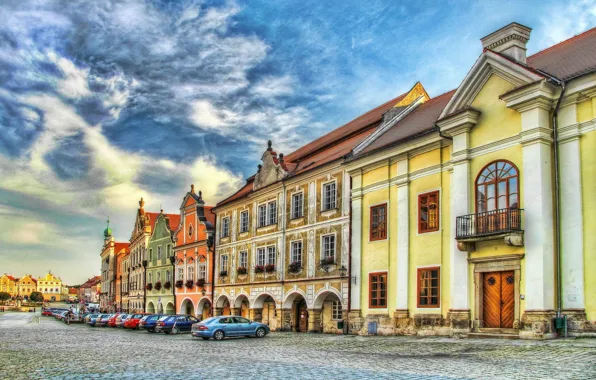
340	325
560	322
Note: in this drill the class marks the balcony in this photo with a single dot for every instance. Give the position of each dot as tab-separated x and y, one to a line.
503	224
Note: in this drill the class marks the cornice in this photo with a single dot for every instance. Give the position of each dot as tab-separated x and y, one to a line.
458	123
539	94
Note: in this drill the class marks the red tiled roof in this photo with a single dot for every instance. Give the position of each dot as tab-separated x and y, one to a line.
210	215
174	221
421	119
73	291
569	58
120	246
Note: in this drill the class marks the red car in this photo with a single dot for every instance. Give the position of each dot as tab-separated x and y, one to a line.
133	321
112	320
47	312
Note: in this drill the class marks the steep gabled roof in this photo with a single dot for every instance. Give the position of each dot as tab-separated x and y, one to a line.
119	246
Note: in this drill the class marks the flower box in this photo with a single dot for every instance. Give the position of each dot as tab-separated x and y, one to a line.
295	267
149	286
190	283
158	285
241	270
179	284
200	282
328	261
167	285
223	273
259	268
269	268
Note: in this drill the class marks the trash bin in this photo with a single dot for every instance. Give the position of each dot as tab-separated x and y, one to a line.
340	325
560	322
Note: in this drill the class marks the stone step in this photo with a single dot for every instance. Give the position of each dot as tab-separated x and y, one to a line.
482	335
487	330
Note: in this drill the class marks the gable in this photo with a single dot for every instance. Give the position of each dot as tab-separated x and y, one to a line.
489	63
189	201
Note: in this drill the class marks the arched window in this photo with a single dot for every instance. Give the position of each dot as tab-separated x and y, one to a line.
497	187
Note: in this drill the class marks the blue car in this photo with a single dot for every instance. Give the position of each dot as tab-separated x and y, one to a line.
228	326
94	318
173	324
149	322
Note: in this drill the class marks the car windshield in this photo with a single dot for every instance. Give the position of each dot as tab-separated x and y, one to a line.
153	317
164	318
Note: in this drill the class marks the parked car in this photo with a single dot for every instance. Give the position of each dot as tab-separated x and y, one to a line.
61	315
173	324
121	319
112	320
228	326
47	312
88	317
148	322
133	321
103	320
94	318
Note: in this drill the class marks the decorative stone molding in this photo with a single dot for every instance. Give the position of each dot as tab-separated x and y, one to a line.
510	40
272	170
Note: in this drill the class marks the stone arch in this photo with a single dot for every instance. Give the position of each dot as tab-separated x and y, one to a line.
260	299
240	298
150	308
329	308
204	308
242	305
170	309
187	307
291	297
220	301
322	295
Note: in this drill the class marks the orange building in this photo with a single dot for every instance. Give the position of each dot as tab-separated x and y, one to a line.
121	256
194	257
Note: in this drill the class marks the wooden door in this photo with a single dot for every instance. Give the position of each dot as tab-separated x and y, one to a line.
498	299
302	317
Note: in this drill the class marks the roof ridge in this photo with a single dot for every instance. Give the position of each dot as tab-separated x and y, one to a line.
558	44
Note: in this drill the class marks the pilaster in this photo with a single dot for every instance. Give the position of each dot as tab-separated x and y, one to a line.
403	235
356	247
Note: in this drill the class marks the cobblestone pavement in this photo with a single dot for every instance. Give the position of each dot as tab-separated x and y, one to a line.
41	347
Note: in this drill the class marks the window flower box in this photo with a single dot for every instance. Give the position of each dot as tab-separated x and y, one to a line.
241	270
200	282
269	268
158	286
295	267
327	261
259	268
167	285
223	273
149	286
179	284
190	283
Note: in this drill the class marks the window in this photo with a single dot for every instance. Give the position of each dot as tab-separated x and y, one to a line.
261	256
158	276
202	271
244	221
329	246
329	196
296	252
225	227
336	310
191	272
378	222
159	253
272	212
190	231
243	260
150	278
168	279
377	293
497	187
429	287
271	255
428	212
262	215
223	263
297	205
180	274
168	250
150	254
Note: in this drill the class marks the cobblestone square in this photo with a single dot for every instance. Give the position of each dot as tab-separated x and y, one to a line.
41	347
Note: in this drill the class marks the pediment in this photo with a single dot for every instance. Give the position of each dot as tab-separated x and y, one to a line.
271	171
489	63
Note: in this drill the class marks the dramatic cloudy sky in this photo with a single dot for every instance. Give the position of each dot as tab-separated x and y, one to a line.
104	102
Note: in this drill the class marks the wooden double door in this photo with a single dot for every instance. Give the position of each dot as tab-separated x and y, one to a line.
498	299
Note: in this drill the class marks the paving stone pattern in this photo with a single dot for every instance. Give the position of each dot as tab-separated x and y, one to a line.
40	347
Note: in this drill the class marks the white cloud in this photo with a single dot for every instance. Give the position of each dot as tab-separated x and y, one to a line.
270	87
206	116
559	26
75	82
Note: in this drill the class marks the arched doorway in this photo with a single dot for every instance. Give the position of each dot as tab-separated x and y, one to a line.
187	307
242	306
265	311
223	305
331	312
170	309
150	308
296	308
204	309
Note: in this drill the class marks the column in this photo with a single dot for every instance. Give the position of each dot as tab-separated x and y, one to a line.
314	320
356	239
572	224
403	237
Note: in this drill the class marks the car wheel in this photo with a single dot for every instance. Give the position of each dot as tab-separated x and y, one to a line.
218	335
205	338
151	330
260	332
174	330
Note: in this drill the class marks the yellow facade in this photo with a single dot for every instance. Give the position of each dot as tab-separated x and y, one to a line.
8	284
27	284
52	288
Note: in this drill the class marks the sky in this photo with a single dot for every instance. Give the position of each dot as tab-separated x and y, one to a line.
105	102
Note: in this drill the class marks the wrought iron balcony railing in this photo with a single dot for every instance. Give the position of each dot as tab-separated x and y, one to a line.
489	223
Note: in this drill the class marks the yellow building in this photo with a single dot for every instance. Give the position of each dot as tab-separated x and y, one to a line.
8	284
462	220
26	285
52	288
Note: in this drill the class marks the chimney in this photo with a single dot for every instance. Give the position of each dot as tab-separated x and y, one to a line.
510	40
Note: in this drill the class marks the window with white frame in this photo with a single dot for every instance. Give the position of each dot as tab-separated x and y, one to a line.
223	263
202	271
180	274
296	252
159	253
329	196
262	215
271	255
150	254
225	227
336	310
272	212
191	272
261	256
297	205
329	247
244	221
168	279
158	276
150	278
243	259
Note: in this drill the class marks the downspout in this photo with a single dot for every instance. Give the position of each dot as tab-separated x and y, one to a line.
145	284
211	250
350	255
283	239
